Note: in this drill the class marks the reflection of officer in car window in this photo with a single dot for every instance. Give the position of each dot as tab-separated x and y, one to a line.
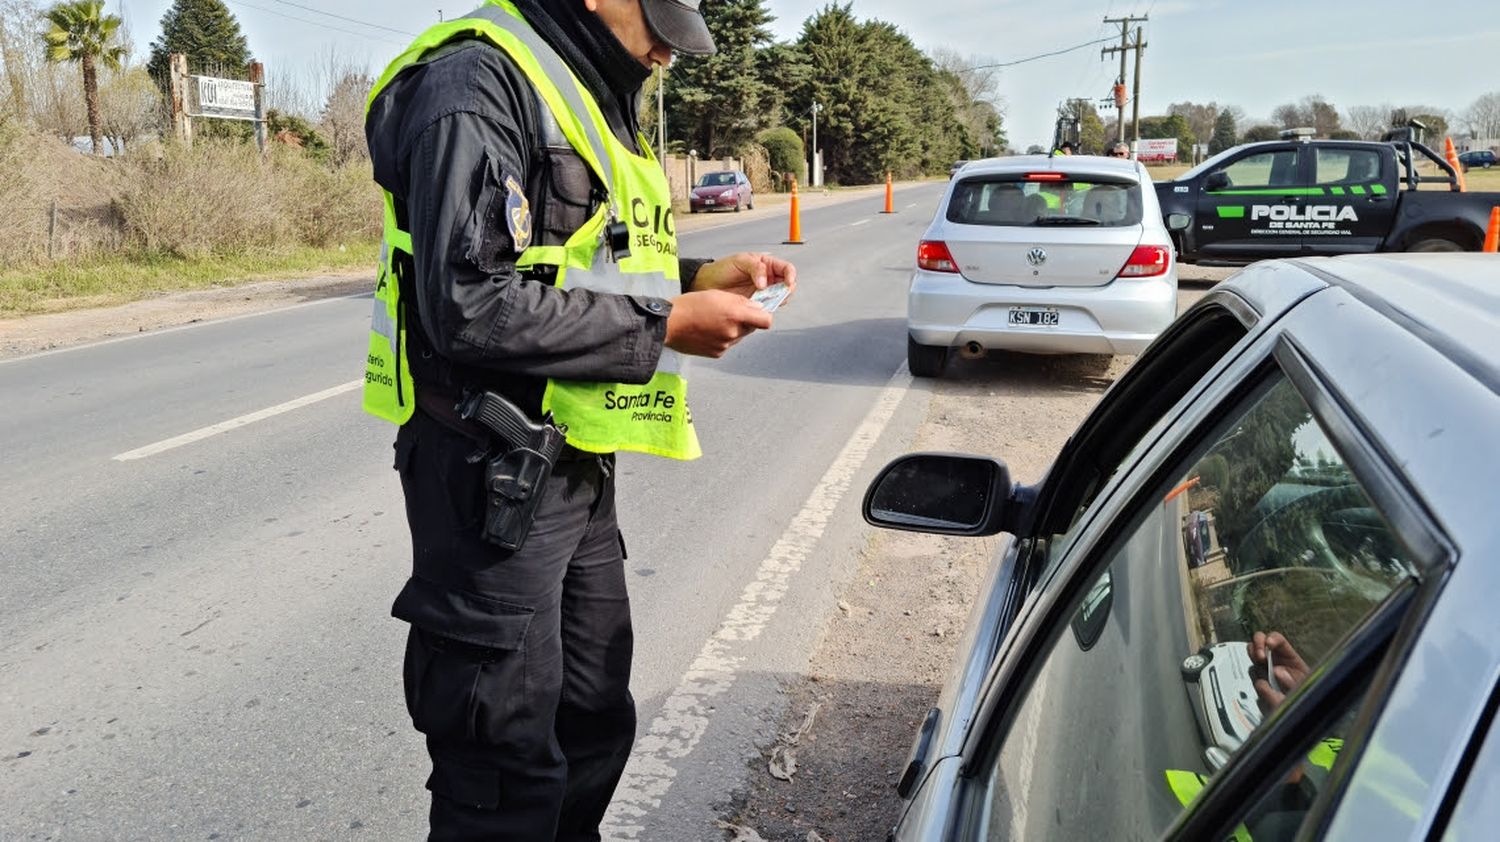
1280	670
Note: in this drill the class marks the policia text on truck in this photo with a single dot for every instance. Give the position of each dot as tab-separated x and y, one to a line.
1302	197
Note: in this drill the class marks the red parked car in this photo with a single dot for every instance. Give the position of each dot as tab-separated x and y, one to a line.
728	189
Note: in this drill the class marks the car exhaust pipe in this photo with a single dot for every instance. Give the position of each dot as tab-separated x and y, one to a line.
971	351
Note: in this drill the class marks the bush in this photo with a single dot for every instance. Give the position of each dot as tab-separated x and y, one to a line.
785	152
326	206
756	164
222	198
24	235
213	198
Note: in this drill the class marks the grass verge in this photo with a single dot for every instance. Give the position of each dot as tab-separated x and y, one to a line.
116	280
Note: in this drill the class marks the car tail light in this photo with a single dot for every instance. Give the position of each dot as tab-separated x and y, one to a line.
933	256
1045	176
1146	262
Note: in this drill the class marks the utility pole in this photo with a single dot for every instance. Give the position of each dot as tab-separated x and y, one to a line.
1135	98
815	177
1125	47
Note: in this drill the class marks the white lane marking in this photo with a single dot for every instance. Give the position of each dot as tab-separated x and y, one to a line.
236	423
190	326
861	222
684	716
913	204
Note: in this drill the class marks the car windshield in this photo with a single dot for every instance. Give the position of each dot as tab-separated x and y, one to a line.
717	179
1011	200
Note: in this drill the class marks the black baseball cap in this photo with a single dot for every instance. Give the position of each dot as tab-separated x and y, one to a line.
679	24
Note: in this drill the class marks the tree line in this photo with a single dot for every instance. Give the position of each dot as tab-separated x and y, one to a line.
1220	127
882	103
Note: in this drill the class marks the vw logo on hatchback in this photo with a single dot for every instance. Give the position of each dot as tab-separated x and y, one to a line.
1036	257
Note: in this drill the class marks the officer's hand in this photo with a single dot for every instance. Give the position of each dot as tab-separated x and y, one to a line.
707	323
1289	667
746	272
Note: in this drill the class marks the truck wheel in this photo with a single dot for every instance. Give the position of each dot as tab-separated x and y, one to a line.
925	360
1434	244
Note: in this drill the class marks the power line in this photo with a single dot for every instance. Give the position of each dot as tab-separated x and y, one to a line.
1038	57
319	24
345	18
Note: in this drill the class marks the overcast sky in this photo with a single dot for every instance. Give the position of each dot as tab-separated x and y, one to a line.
1256	55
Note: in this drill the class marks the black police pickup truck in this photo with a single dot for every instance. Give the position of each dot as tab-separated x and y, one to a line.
1320	197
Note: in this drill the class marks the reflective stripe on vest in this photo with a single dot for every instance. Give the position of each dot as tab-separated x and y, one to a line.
1186	786
599	417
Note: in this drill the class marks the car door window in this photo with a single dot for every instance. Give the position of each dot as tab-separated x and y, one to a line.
1113	435
1263	170
1279	814
1347	169
1263	542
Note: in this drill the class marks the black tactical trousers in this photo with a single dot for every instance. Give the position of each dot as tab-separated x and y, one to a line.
517	664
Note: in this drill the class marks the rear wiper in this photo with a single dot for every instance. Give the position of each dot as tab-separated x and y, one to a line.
1066	220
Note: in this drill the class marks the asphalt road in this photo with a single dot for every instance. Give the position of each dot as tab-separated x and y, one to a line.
202	535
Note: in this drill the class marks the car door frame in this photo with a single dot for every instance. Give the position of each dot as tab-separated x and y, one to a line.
1050	610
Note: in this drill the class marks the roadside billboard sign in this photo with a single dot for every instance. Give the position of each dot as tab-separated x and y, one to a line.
1156	149
228	99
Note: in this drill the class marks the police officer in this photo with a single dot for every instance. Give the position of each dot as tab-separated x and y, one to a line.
531	254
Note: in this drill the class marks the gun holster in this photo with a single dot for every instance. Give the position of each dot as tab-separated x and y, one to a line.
515	479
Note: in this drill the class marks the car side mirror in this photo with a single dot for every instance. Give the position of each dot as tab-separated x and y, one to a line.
1178	221
1216	181
947	494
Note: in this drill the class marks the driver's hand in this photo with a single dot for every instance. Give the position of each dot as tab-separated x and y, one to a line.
1289	668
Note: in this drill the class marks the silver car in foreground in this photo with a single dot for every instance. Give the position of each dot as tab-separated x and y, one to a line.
1254	597
1064	255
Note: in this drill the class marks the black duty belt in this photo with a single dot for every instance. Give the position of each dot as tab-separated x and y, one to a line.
443	407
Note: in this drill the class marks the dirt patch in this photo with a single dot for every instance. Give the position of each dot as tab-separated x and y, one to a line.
888	649
29	334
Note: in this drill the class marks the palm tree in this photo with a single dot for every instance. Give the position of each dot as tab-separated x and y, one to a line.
81	32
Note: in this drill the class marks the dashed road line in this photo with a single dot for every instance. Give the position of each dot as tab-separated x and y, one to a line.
685	715
861	222
236	423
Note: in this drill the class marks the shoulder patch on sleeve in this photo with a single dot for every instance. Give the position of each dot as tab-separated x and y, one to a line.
517	213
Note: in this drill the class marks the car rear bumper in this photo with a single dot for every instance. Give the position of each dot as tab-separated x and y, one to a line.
1121	317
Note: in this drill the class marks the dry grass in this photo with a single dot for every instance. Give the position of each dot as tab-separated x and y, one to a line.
166	217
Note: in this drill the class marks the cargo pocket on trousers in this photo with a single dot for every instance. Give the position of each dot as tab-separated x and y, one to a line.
465	671
466	785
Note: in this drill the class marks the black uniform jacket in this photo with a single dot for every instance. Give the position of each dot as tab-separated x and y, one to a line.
445	138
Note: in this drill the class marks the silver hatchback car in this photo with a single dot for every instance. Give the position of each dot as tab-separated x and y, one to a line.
1254	597
1062	255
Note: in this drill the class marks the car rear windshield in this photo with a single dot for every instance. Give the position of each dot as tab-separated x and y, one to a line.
1014	200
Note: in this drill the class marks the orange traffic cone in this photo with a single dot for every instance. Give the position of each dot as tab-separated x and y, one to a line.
1492	234
794	236
890	197
1458	168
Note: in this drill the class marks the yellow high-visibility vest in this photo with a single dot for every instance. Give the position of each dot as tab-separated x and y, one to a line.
598	417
